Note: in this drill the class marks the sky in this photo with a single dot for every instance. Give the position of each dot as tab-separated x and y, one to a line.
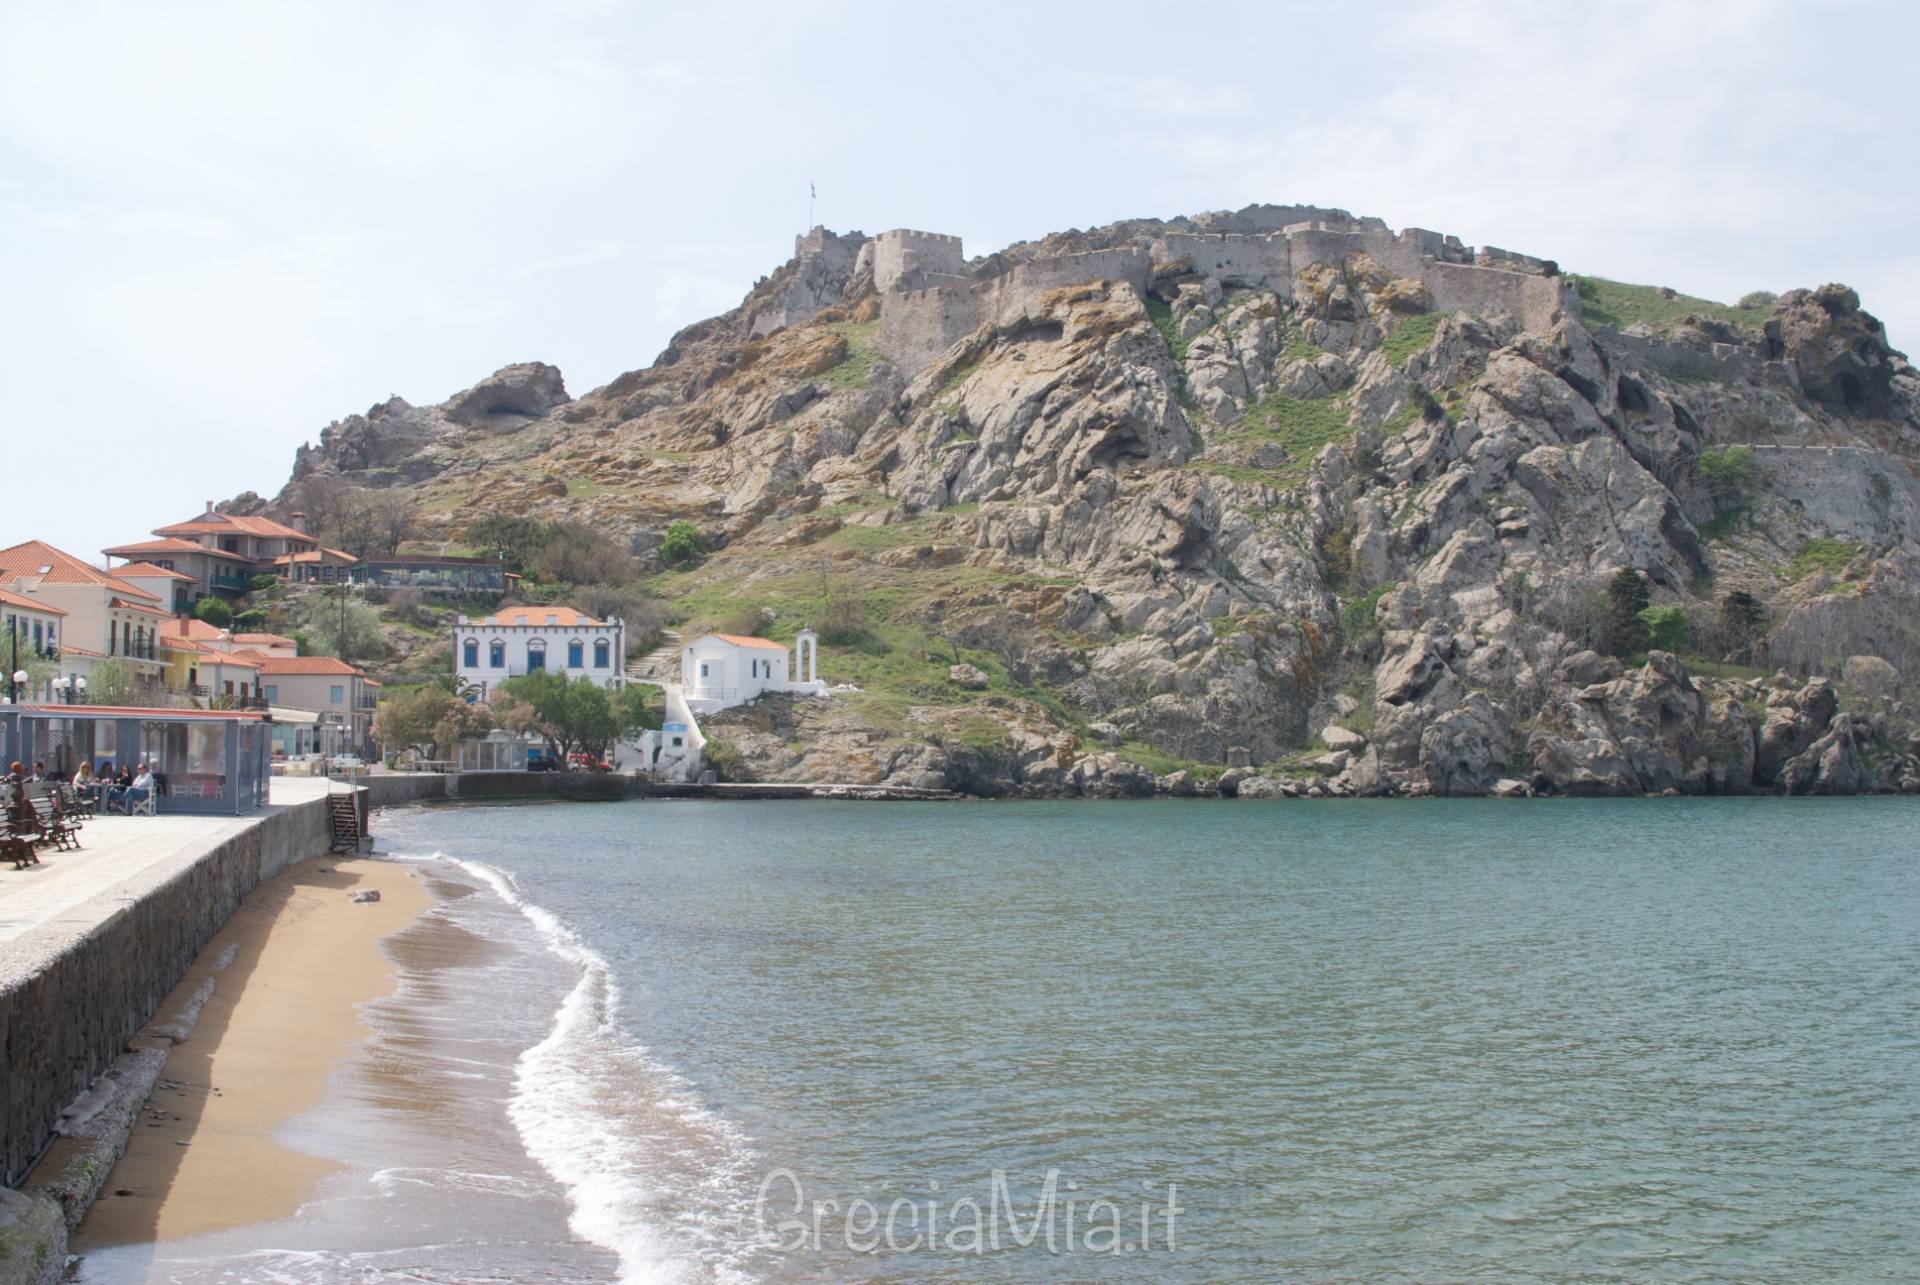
226	225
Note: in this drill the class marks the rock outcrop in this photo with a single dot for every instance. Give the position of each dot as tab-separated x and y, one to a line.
1201	489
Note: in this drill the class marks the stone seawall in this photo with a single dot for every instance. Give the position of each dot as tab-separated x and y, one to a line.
75	989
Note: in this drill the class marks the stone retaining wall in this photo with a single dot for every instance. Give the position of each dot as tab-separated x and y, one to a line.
74	991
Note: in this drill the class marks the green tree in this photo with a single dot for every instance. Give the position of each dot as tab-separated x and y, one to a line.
1728	472
113	682
516	539
419	719
1628	594
214	611
1666	628
636	710
681	544
337	624
569	716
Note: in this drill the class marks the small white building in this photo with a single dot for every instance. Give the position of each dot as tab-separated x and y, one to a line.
523	640
720	671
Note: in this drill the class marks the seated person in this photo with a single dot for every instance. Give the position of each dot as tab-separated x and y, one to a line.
140	790
122	782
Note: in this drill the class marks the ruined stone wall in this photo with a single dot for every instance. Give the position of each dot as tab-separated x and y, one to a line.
1235	260
74	990
1723	363
1535	302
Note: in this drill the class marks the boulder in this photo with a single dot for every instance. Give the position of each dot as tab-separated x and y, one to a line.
1335	737
511	394
1261	787
1794	720
1830	765
971	677
1839	352
1467	749
1871	676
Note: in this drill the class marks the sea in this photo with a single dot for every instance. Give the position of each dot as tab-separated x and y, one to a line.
1158	1041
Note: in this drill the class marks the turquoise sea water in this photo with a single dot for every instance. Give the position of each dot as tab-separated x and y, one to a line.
1669	1040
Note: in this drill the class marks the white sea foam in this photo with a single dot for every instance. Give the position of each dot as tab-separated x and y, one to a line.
651	1174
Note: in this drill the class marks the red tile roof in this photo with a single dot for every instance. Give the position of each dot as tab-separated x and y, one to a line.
536	617
740	640
148	570
142	603
30	604
198	630
38	558
218	523
263	640
306	665
170	546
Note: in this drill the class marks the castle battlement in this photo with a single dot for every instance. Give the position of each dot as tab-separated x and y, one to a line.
928	300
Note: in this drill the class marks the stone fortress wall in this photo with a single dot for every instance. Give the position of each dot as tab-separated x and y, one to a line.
930	298
935	306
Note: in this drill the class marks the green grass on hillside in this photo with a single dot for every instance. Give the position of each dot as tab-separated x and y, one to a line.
1412	336
1161	315
1619	305
1302	425
1822	555
856	371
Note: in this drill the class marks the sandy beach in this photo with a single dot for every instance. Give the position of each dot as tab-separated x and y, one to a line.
281	1020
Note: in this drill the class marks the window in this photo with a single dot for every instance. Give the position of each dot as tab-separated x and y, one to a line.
600	654
536	655
38	642
113	636
576	654
471	654
337	694
703	669
497	655
273	692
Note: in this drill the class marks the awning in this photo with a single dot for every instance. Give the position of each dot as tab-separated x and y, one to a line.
282	715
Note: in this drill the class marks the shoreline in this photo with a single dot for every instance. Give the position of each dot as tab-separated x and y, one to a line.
289	972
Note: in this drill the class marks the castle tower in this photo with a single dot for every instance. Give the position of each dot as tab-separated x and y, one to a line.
907	260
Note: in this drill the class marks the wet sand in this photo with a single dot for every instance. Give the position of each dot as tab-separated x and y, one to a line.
281	1021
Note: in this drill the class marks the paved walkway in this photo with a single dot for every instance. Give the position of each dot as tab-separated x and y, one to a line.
115	848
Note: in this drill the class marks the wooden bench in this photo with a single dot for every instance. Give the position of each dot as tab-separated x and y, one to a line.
56	827
23	832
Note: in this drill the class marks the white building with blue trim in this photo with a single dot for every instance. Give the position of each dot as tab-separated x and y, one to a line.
524	640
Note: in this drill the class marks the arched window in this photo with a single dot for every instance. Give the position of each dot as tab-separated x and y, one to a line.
576	654
497	655
470	654
536	655
600	654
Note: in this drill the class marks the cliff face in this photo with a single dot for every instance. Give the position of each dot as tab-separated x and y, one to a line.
1351	502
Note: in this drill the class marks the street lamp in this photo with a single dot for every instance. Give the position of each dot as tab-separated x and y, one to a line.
75	688
19	681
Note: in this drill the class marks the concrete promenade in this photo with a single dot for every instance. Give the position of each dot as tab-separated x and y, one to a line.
118	851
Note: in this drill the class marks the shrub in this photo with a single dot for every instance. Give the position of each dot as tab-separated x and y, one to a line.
1822	555
1727	471
1356	618
1628	594
682	543
843	621
214	611
725	761
1758	299
263	584
1666	628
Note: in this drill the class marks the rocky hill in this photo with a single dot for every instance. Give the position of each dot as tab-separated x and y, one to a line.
1270	501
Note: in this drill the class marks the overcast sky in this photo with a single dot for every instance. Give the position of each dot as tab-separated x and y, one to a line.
227	225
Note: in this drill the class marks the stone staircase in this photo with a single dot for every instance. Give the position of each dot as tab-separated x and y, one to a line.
661	665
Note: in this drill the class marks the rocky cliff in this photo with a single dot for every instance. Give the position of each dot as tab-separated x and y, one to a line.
1211	524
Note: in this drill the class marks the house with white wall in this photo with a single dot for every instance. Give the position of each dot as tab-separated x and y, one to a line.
32	632
340	694
107	618
522	640
720	671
